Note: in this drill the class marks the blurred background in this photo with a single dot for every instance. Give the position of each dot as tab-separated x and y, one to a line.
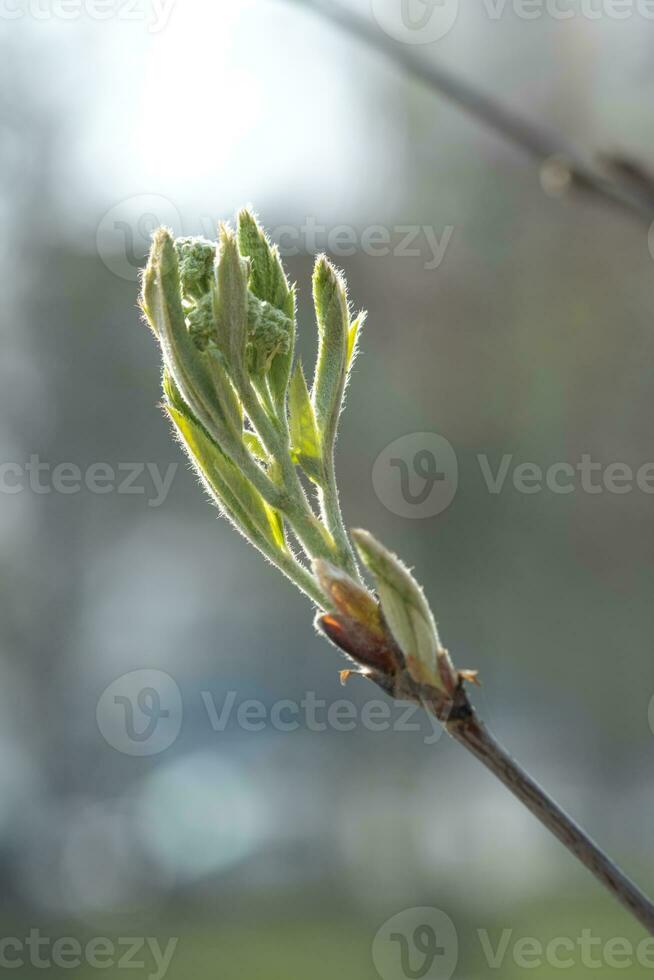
138	796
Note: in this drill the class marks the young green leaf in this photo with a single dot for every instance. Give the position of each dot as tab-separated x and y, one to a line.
405	609
255	446
232	491
224	390
268	282
231	306
276	522
269	335
280	369
332	313
305	439
196	258
353	337
162	304
171	391
267	277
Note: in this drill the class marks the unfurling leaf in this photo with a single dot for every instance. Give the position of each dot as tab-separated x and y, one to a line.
162	304
255	446
269	335
267	277
171	391
332	313
225	394
269	284
232	491
231	306
196	258
353	337
305	440
407	614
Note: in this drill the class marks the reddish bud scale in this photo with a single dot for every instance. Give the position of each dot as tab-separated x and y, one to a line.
366	648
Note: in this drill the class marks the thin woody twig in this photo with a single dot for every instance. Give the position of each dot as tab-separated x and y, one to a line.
476	738
461	722
561	167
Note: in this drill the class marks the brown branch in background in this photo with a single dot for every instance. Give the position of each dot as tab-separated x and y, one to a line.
629	171
561	167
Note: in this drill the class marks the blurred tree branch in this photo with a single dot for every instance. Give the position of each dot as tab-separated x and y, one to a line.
621	183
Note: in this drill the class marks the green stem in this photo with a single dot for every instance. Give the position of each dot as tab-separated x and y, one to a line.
466	728
330	508
284	560
292	501
300	576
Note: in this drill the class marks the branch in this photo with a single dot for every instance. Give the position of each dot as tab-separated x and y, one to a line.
461	722
560	165
476	738
396	643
